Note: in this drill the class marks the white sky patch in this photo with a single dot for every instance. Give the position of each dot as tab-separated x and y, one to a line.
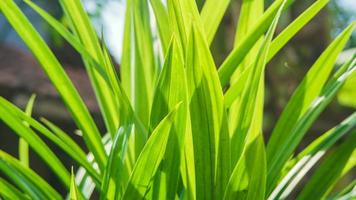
349	4
112	22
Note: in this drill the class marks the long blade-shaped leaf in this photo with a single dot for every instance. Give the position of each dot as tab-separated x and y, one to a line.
250	13
208	120
83	179
306	92
61	29
246	23
112	185
83	29
74	192
240	51
329	171
58	77
178	25
293	28
8	191
181	14
247	174
309	156
21	181
61	139
23	145
36	144
138	68
126	113
240	75
149	159
250	97
28	176
211	16
171	89
161	15
138	65
348	192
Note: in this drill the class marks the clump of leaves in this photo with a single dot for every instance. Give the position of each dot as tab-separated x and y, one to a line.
178	128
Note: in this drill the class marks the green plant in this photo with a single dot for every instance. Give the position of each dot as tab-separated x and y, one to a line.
202	137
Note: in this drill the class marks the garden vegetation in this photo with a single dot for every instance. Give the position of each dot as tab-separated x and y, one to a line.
177	125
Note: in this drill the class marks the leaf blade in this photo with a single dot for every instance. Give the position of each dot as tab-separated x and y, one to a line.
58	77
329	171
23	145
152	152
293	112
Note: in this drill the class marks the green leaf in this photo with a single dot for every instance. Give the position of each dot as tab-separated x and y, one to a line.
83	29
84	181
211	16
60	138
180	17
58	77
347	93
246	22
138	68
329	171
208	119
107	72
73	193
181	14
36	144
235	91
126	113
70	147
250	13
299	166
112	185
150	159
23	145
293	28
171	89
248	178
347	193
23	183
8	191
286	136
242	49
62	30
25	178
178	24
240	75
329	138
237	56
161	16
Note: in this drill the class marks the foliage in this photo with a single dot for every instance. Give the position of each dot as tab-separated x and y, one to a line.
181	127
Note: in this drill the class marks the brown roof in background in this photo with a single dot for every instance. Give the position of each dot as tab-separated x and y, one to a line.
20	73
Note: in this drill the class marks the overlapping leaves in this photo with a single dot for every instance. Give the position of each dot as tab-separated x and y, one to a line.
171	130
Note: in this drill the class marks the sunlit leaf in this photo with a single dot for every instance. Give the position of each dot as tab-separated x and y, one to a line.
58	77
23	145
208	120
286	136
149	159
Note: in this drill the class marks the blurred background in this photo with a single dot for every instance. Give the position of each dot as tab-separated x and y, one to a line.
20	75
